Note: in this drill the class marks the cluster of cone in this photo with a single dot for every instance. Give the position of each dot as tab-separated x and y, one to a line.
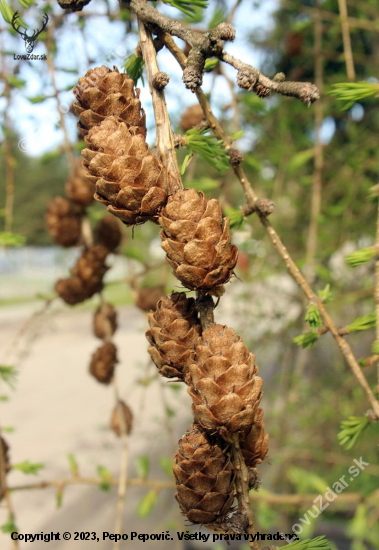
64	220
223	382
128	178
103	363
86	277
219	370
104	360
132	182
64	215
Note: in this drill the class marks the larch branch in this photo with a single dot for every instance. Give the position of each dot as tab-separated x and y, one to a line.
251	199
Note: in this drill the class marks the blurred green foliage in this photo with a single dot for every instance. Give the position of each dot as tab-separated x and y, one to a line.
351	430
35	184
147	503
28	467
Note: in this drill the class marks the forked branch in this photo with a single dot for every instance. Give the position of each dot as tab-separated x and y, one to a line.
211	44
252	200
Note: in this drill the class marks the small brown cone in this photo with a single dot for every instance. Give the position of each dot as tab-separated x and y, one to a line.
103	363
79	189
108	232
197	240
63	222
174	331
102	93
223	383
129	179
86	276
105	321
204	478
147	298
116	420
191	117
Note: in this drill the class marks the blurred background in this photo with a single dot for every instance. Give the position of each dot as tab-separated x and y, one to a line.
297	156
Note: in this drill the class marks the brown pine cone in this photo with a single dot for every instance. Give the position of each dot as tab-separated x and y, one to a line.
102	93
174	331
128	419
197	240
5	449
223	383
204	478
86	276
63	222
108	232
79	189
129	179
103	362
255	445
191	117
147	298
105	321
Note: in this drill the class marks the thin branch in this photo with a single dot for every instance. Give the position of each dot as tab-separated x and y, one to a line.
346	40
368	361
210	44
123	467
205	307
311	245
318	157
242	487
213	122
27	325
341	342
270	498
233	11
78	480
123	479
50	65
251	199
342	331
305	91
234	99
343	500
164	136
149	15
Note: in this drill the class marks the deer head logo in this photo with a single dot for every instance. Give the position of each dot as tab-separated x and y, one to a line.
29	40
